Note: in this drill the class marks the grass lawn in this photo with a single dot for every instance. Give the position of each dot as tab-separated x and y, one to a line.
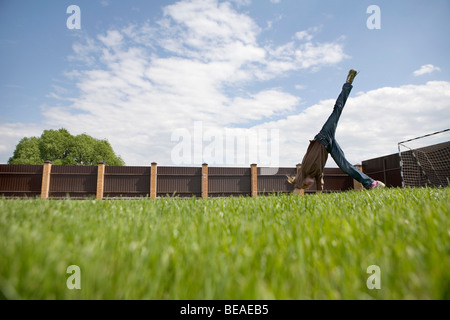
277	247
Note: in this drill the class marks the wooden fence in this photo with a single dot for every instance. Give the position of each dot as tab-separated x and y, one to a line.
105	182
386	169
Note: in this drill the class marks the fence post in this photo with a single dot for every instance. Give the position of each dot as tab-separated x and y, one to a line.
254	180
205	181
153	180
45	188
100	180
356	185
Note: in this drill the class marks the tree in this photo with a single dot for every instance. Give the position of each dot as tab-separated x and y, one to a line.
55	145
62	148
27	152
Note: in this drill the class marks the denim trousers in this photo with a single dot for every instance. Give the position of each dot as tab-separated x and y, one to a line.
327	139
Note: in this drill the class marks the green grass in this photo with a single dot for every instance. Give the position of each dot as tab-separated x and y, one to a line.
277	247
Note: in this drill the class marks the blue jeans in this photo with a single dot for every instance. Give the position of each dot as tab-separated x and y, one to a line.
326	138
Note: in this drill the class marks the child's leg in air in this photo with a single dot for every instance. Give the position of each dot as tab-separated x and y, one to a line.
326	135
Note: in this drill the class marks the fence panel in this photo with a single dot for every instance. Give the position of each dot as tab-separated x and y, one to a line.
179	181
270	182
127	182
229	182
386	169
20	180
75	182
336	180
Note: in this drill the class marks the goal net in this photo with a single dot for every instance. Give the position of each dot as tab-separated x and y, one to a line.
425	161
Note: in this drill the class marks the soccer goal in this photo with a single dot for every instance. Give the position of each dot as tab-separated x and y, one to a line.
425	160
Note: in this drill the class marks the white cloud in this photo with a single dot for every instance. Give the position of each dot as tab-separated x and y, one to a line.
112	39
303	53
85	53
209	23
242	2
425	69
307	35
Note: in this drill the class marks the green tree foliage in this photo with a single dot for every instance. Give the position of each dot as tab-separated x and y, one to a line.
27	152
62	148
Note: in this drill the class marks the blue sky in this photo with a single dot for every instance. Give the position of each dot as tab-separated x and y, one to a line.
151	76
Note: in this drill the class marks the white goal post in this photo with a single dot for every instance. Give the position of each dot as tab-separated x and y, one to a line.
425	160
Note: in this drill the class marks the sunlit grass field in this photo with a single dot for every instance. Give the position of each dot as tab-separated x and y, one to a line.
281	247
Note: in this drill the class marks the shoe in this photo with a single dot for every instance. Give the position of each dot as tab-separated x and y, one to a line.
291	180
351	76
377	185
